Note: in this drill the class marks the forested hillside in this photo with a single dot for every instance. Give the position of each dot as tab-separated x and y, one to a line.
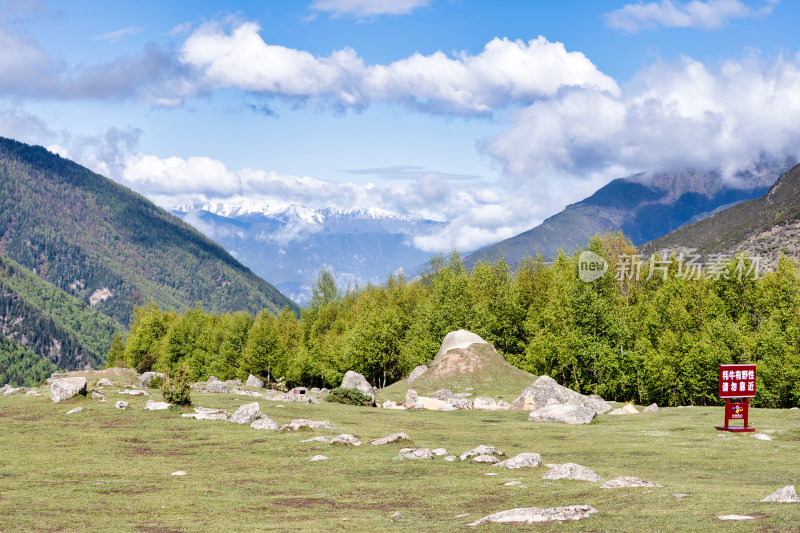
656	334
112	247
56	326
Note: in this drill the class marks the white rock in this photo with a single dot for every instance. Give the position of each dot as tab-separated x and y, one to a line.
484	459
300	423
146	378
484	404
481	450
318	458
572	471
532	515
512	483
563	413
652	408
326	440
627	481
761	436
247	414
64	388
388	404
411	398
264	423
432	404
786	494
216	386
736	517
439	452
345	439
121	405
522	460
207	413
458	340
417	372
179	473
104	382
545	391
450	458
156	406
394	437
354	380
422	453
135	392
76	410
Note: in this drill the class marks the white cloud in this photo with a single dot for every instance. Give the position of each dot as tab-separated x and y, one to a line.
709	15
368	8
672	115
504	73
116	36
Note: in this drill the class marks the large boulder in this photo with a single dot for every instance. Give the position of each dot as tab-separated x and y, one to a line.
627	481
146	378
458	339
253	381
394	437
481	450
417	372
216	386
522	460
567	414
545	391
346	439
572	471
153	405
264	423
785	495
65	388
247	414
354	380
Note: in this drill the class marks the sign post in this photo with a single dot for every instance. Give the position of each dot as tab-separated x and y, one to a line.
737	384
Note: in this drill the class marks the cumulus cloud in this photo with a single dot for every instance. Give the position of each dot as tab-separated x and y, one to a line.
367	8
116	36
710	15
504	73
684	114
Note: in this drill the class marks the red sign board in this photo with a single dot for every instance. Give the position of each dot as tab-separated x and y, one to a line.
736	411
737	381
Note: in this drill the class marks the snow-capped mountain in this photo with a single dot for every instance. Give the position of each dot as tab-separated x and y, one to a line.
288	244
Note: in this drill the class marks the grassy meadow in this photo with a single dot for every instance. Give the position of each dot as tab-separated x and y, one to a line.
104	469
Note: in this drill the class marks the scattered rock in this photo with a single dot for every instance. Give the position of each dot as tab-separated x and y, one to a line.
532	515
511	483
64	388
345	439
300	423
417	372
484	404
103	382
146	378
458	339
212	379
326	440
481	450
628	409
121	405
96	395
315	390
247	414
627	481
785	495
450	458
264	423
484	459
439	452
422	453
32	393
216	386
397	516
179	473
207	413
76	410
156	406
572	471
545	391
354	380
681	496
432	404
253	381
318	458
135	392
448	407
231	383
564	413
652	408
736	517
394	437
412	398
522	460
388	404
761	436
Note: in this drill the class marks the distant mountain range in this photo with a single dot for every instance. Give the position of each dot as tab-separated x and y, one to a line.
644	206
766	227
289	244
111	247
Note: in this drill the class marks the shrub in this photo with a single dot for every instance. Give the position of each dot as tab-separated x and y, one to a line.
177	389
146	363
348	396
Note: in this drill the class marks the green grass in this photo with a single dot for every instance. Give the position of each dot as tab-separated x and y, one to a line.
109	470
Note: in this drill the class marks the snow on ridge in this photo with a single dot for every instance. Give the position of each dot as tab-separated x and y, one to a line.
277	209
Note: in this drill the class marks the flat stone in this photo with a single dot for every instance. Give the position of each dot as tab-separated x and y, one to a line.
681	496
652	408
135	392
448	407
326	440
64	388
417	372
761	436
253	381
485	459
394	437
318	458
533	515
76	410
247	414
345	439
439	452
786	494
121	405
156	406
264	423
300	423
563	413
627	481
422	453
103	382
450	458
736	517
96	395
216	387
179	473
207	413
522	460
512	483
481	450
572	471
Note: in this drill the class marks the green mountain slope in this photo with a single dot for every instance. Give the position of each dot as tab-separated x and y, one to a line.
765	226
111	247
57	327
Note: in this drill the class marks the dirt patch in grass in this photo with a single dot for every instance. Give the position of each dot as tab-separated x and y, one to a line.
304	503
30	418
141	450
156	527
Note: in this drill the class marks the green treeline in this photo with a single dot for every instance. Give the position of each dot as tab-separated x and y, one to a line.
648	340
21	367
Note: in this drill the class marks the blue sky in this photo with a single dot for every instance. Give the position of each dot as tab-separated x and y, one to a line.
488	115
